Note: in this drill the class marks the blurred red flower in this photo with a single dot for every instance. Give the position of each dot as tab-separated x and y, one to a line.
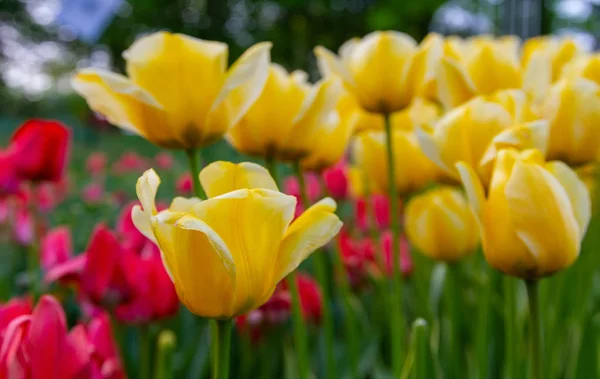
129	162
56	247
37	152
184	184
38	344
164	160
336	180
380	209
277	309
95	163
291	186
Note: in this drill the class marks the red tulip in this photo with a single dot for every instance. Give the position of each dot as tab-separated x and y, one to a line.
112	274
129	162
336	180
8	312
39	150
406	264
379	209
95	163
93	193
184	184
37	344
56	247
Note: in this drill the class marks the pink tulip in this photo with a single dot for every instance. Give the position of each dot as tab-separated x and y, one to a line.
129	162
336	180
93	193
291	186
95	163
24	225
130	236
105	360
56	247
379	209
164	160
184	184
406	263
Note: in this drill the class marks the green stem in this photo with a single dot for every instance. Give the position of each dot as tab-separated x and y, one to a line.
510	328
482	341
144	335
420	343
272	167
452	300
164	355
193	156
535	331
349	316
320	261
221	348
396	319
300	339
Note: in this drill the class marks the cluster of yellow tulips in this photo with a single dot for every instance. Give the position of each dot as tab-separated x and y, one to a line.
513	122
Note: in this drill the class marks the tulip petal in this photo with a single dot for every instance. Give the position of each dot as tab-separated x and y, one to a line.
543	217
252	223
123	103
493	69
146	188
199	262
245	81
578	193
171	67
142	222
329	64
183	204
313	229
474	189
221	177
430	147
454	85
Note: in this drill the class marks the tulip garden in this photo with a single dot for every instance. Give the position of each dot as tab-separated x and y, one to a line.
422	210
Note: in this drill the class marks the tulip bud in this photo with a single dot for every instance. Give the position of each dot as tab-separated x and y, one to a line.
535	214
441	225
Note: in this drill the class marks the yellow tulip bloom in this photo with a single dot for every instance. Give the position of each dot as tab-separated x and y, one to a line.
587	67
332	137
384	70
420	111
413	170
178	93
478	66
441	224
474	131
535	214
226	254
288	116
572	109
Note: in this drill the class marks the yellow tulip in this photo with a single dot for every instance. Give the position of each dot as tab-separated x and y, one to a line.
226	254
384	70
479	66
288	117
441	224
413	170
474	131
179	93
587	67
535	214
332	138
572	108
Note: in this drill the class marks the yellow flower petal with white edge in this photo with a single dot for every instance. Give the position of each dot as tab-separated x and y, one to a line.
146	188
312	230
221	177
252	223
454	84
201	265
183	204
543	217
143	222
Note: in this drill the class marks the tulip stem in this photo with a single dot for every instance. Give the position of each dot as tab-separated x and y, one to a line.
164	355
535	331
271	164
321	272
452	297
144	368
396	320
510	327
193	159
300	339
221	347
349	316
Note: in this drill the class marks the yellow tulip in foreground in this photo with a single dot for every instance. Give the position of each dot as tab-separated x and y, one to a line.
572	109
477	66
587	67
441	224
413	170
226	254
475	131
384	70
178	93
534	216
288	117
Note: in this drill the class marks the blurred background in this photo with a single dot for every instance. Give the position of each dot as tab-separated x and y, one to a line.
43	41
